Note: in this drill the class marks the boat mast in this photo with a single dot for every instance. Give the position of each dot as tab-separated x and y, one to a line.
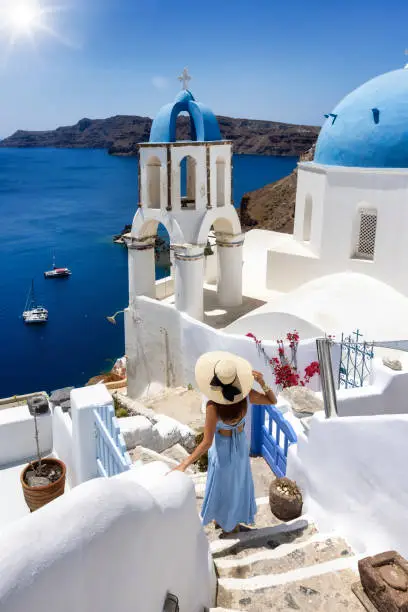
32	293
30	296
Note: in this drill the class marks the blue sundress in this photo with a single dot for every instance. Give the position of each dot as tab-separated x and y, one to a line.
229	495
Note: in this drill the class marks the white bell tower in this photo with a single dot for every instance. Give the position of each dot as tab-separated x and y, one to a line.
186	186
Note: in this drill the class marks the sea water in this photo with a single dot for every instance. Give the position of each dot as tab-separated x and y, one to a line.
71	202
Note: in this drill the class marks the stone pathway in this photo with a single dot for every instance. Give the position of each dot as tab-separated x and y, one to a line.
280	566
270	565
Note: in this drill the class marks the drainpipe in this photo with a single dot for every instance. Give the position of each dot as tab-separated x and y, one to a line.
326	377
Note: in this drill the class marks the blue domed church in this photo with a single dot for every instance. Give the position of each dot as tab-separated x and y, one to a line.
352	199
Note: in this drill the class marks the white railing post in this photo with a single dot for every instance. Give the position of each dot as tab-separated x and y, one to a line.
83	403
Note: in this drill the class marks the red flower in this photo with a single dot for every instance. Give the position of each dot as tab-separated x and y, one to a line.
285	371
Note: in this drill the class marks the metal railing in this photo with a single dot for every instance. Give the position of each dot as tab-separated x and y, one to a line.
355	361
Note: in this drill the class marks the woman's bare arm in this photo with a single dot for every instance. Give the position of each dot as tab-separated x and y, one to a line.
262	398
209	431
268	397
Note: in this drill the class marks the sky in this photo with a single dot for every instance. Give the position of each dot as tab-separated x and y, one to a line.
289	60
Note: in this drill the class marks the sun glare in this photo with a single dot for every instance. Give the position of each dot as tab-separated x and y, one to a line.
24	17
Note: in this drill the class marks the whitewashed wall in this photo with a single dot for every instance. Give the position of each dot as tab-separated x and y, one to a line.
387	394
62	441
353	475
17	434
337	194
211	267
150	362
110	544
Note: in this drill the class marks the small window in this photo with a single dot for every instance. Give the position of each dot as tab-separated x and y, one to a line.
367	230
307	218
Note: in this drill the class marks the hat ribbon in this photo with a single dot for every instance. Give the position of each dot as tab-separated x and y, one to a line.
228	390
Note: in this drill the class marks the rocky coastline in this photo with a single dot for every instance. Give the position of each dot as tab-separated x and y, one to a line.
273	206
121	134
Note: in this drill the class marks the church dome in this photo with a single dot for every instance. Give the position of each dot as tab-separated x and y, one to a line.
369	128
204	124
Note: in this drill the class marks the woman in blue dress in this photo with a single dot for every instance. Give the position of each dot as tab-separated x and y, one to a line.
226	380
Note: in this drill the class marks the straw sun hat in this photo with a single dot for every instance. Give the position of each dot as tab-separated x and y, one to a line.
224	378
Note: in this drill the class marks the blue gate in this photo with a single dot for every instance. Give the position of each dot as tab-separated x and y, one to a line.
111	454
271	437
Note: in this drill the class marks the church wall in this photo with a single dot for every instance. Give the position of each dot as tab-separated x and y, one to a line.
224	152
110	544
287	271
310	185
387	193
338	194
211	266
147	153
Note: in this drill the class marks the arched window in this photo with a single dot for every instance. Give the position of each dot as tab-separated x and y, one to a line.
188	182
185	127
220	174
307	218
153	182
366	233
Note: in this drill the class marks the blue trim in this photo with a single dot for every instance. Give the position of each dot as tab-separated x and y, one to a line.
204	124
112	457
270	444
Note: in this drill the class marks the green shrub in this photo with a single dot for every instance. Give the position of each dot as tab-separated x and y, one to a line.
121	412
202	462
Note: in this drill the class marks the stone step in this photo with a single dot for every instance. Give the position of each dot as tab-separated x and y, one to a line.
322	588
264	518
147	455
223	610
256	540
287	557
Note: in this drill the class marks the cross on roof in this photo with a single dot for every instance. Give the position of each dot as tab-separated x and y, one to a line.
184	78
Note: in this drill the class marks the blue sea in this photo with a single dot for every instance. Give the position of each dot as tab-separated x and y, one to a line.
71	202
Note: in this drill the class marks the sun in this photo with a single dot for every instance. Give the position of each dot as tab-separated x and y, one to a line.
27	19
23	17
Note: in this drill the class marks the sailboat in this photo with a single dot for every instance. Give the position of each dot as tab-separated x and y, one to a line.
57	272
33	313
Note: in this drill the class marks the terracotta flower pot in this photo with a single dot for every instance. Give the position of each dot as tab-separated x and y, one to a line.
36	497
285	499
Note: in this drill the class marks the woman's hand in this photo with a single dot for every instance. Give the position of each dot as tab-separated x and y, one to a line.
179	468
258	376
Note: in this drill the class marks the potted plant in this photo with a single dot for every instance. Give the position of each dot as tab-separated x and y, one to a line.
43	479
285	499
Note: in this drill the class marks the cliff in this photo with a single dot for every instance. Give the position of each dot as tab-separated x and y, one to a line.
272	207
121	134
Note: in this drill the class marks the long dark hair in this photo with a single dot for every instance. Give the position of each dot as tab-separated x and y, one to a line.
231	412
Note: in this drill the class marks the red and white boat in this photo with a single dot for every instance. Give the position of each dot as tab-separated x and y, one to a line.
57	272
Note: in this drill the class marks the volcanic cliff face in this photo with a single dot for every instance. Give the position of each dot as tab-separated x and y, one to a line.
121	134
273	207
